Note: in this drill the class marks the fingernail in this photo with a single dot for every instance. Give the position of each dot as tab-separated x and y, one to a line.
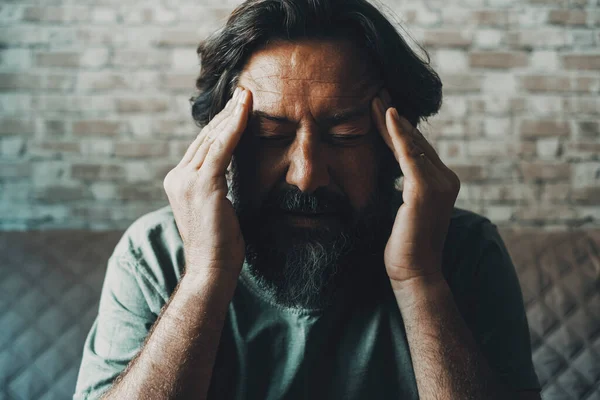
241	96
240	102
395	114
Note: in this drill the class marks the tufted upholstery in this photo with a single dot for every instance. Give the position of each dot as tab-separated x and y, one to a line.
50	284
560	279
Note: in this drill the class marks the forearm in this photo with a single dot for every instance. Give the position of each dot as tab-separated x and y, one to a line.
177	358
446	359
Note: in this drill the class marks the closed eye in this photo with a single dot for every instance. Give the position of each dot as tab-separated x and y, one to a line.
281	138
274	137
347	137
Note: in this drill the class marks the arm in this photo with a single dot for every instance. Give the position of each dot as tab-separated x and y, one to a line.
177	357
446	360
169	351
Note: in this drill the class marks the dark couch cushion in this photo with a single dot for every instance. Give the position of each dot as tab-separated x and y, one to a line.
50	285
560	278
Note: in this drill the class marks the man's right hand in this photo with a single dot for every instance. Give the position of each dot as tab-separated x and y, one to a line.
197	192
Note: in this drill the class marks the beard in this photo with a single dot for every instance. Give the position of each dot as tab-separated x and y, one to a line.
305	266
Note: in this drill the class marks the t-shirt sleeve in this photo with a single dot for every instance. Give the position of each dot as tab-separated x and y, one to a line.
501	327
119	330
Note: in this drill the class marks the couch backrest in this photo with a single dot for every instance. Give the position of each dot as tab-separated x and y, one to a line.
559	274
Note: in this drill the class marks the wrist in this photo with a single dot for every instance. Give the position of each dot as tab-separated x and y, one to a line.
203	280
422	289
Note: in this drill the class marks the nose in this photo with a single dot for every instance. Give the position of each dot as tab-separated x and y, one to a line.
308	166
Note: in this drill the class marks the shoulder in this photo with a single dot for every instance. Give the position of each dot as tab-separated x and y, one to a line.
469	227
152	246
151	226
469	234
466	219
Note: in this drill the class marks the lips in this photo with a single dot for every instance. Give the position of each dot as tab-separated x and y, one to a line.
300	214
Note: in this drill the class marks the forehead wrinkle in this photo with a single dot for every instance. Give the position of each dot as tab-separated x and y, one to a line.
288	89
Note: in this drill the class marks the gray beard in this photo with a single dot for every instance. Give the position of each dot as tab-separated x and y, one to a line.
304	268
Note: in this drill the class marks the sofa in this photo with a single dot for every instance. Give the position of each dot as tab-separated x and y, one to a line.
50	284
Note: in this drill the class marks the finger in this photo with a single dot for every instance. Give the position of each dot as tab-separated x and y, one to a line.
378	109
406	150
422	141
189	153
226	110
221	150
415	132
195	145
212	134
404	153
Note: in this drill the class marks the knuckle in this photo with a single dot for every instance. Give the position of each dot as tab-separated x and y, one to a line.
218	144
210	137
168	180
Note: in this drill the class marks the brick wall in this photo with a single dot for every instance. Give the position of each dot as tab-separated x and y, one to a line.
94	105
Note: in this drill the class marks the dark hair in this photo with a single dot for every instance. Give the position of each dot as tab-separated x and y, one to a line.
415	87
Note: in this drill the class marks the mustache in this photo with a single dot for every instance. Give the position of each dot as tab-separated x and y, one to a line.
322	200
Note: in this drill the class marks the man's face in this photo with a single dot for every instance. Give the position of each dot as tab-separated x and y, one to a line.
308	182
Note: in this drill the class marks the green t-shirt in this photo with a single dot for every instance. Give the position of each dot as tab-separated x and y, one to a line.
352	350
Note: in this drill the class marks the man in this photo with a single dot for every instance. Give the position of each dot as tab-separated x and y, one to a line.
303	273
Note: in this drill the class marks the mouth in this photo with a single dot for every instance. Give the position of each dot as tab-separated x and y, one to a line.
310	219
309	215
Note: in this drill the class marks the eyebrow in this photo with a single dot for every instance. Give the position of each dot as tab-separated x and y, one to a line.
335	119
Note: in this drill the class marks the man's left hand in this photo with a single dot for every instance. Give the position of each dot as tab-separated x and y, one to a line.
415	247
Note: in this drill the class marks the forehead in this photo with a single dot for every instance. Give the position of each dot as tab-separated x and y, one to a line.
311	76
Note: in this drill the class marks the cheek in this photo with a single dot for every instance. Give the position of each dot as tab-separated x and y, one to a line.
261	168
354	169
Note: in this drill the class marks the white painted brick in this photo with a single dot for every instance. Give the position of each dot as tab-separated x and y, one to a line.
15	59
141	126
13	103
545	105
547	148
502	3
424	15
528	17
455	15
499	82
454	106
488	38
103	15
97	147
94	58
499	213
586	174
12	146
163	15
497	127
16	35
138	171
450	60
497	104
185	59
582	39
104	190
544	60
10	13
